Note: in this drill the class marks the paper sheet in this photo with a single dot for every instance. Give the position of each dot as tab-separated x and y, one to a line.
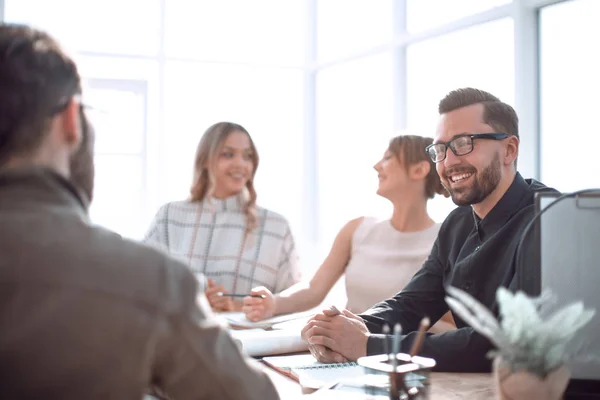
258	342
238	319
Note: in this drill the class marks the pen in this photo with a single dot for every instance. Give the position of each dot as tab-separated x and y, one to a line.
395	350
396	345
420	335
257	296
386	349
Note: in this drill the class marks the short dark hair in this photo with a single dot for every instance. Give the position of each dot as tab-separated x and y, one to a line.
497	114
37	80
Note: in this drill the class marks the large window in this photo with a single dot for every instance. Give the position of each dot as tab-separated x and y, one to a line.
119	119
349	26
480	57
569	95
354	125
124	96
263	31
427	14
107	26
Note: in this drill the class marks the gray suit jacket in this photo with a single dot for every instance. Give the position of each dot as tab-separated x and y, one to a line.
85	314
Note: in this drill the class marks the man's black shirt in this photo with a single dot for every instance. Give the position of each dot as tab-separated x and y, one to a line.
473	254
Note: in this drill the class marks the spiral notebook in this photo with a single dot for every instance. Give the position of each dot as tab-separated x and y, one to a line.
311	373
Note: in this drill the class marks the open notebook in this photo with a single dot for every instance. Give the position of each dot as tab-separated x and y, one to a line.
311	373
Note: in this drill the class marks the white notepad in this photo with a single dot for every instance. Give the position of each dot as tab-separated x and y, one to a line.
258	342
311	373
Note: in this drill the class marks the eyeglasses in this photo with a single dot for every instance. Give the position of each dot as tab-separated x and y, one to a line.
83	107
460	145
62	105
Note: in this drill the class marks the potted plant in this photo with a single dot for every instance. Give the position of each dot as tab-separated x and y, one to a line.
531	351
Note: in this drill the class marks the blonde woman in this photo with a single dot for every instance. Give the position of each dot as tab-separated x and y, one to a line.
220	231
378	257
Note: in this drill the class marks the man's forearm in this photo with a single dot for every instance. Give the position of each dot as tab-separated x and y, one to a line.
461	350
376	344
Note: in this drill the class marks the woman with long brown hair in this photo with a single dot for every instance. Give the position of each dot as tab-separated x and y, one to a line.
378	257
220	231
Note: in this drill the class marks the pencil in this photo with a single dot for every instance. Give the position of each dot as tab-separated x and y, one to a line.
256	296
416	347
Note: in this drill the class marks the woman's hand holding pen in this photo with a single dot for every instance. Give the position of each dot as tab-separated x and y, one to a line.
217	302
256	308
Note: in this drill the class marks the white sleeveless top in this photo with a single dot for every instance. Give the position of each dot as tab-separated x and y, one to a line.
383	260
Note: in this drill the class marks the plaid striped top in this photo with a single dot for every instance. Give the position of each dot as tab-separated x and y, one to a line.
209	237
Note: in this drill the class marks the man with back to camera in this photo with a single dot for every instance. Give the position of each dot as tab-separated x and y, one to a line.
85	314
475	151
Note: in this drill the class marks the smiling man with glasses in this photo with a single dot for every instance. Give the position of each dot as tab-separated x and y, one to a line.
475	151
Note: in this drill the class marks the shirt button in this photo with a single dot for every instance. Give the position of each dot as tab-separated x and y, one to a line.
467	285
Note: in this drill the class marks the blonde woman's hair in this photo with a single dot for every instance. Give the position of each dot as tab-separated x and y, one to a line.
203	185
409	150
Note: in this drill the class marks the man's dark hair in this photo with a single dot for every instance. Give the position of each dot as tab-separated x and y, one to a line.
37	81
500	116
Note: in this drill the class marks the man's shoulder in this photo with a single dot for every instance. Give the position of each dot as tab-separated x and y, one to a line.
131	252
149	272
536	186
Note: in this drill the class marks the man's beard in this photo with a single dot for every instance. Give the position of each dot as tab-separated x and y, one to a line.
483	185
82	161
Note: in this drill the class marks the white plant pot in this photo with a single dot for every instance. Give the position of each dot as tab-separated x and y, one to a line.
525	385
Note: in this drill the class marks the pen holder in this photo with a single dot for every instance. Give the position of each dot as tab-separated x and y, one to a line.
409	380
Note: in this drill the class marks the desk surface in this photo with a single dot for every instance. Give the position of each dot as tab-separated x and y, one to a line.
444	386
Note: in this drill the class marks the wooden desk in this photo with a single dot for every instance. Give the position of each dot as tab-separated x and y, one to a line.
444	386
450	386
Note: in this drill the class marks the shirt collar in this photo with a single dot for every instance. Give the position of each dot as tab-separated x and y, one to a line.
233	203
506	207
36	185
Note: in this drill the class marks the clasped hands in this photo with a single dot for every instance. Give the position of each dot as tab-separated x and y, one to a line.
335	336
